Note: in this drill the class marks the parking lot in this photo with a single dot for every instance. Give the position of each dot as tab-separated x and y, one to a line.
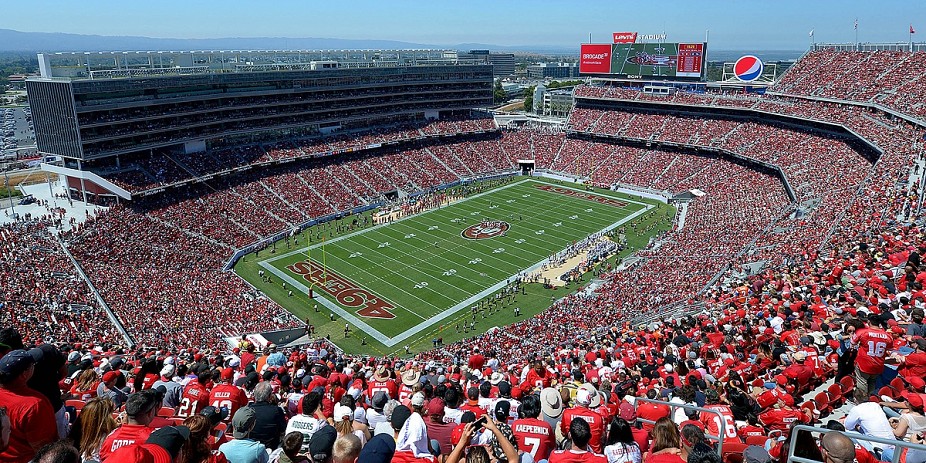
16	131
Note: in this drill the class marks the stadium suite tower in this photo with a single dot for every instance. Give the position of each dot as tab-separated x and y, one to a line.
98	110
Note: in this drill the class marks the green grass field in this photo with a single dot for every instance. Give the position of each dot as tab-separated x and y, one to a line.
414	279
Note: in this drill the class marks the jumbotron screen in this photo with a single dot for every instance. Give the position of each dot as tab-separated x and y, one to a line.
644	60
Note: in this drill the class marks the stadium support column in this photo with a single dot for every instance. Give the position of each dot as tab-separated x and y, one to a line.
83	188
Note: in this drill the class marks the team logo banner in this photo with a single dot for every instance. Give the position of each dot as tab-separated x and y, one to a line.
343	290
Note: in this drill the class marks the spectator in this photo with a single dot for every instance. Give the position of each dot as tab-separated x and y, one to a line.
140	409
270	420
871	345
534	435
32	420
108	389
346	449
322	445
666	446
49	370
592	419
57	452
344	423
622	448
174	389
93	424
437	429
375	414
837	448
198	448
502	437
690	436
380	449
309	421
702	453
580	451
243	448
868	418
290	449
169	441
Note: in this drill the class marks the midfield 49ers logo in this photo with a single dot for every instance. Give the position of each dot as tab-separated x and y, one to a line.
486	230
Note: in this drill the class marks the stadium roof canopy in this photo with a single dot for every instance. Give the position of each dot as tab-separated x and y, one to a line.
110	64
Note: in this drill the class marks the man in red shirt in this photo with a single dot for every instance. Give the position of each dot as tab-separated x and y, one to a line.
651	411
913	364
592	418
382	382
534	436
712	422
195	396
32	420
797	371
472	403
537	378
226	395
140	408
782	416
581	452
871	344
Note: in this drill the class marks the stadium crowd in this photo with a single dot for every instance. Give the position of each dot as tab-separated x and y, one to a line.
840	298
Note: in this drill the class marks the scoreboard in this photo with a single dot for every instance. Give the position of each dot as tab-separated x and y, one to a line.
683	61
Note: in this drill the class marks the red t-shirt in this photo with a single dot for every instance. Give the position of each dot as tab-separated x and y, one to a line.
872	347
570	456
914	365
712	421
751	431
535	380
535	437
652	412
663	458
229	396
476	409
194	398
32	421
407	456
126	434
594	420
388	386
781	419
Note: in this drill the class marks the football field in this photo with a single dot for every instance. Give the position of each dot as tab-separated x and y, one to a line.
395	282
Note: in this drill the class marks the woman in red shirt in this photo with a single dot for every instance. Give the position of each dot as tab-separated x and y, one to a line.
85	386
666	443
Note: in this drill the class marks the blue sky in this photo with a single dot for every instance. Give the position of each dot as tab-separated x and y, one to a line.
733	24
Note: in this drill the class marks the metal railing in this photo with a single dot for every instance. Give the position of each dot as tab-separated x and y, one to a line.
898	445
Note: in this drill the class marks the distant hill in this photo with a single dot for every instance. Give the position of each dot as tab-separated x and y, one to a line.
16	41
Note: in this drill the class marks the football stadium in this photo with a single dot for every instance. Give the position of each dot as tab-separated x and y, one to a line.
346	255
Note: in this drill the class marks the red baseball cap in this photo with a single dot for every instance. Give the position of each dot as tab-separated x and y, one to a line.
435	407
913	399
228	373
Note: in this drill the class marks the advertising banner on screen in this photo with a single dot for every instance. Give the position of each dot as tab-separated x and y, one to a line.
595	58
624	37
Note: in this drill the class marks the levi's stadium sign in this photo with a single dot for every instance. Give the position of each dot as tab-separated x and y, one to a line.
624	37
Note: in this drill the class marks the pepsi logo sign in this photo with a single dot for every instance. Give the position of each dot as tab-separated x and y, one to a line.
748	68
486	230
